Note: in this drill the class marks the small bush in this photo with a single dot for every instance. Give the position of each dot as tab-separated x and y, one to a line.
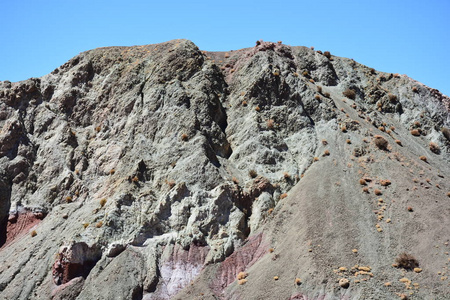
242	275
344	128
434	148
348	141
406	261
399	142
326	153
135	179
446	132
324	142
319	89
257	108
424	158
410	209
102	202
311	80
242	281
362	182
170	183
276	277
305	73
282	196
252	173
184	137
286	175
270	123
349	93
415	89
380	142
99	224
112	171
326	94
33	233
298	281
317	97
385	182
344	283
235	180
392	97
316	158
68	199
85	224
327	54
365	189
244	103
377	192
381	128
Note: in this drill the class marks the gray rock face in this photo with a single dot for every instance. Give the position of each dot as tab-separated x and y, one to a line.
162	171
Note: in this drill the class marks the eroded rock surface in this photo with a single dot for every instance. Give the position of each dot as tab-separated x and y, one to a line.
162	171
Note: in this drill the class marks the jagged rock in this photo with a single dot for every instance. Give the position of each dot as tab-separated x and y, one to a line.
131	166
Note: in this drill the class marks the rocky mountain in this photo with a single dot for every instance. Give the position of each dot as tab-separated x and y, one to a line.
272	172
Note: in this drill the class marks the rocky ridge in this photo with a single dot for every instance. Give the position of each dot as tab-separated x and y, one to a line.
169	170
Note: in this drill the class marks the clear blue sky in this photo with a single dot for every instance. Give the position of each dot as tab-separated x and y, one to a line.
407	37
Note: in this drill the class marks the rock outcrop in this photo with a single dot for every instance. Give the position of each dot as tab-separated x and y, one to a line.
162	171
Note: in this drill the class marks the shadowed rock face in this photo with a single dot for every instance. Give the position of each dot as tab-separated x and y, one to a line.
162	171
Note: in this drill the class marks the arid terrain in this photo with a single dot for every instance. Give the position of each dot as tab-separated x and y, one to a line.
271	172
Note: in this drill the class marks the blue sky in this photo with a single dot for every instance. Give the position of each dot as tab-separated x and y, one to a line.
406	37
